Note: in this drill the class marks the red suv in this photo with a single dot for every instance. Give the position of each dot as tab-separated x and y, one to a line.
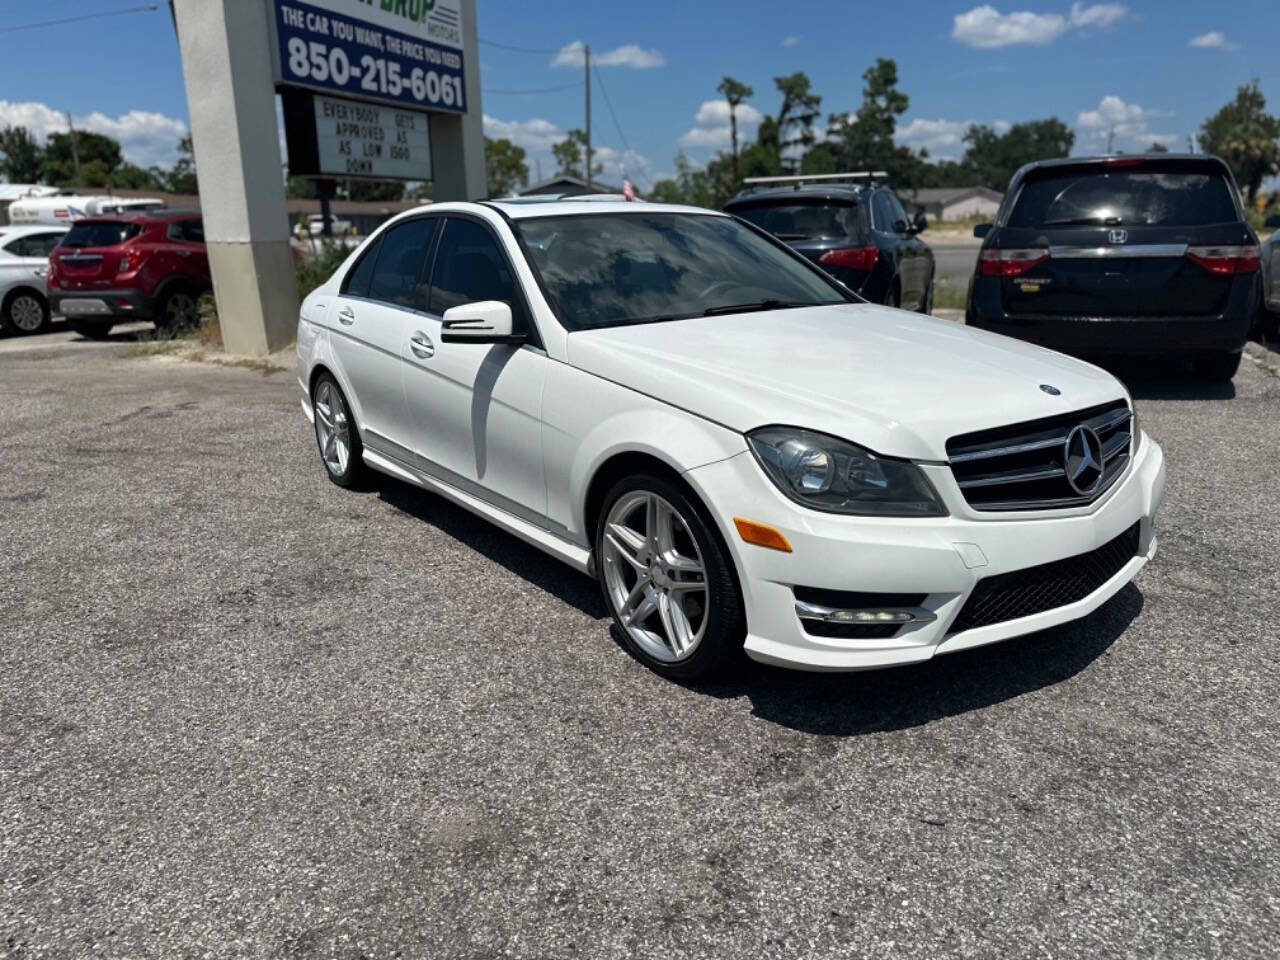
110	270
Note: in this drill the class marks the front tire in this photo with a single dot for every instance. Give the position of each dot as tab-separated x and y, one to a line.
338	439
1216	367
25	313
667	579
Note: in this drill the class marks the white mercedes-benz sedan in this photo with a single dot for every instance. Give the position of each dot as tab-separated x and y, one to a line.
744	453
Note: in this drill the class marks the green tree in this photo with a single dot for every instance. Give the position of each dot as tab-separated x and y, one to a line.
23	157
1157	147
127	176
993	158
1244	135
734	94
799	109
865	140
689	185
182	178
569	152
374	191
504	167
100	157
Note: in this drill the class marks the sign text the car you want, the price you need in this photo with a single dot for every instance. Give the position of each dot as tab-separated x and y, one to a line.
406	52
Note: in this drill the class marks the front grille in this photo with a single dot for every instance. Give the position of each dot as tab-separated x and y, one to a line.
1021	593
1024	466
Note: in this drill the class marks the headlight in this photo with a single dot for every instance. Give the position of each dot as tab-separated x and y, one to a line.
828	474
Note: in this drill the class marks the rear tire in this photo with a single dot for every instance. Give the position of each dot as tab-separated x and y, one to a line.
894	296
926	305
676	574
1216	367
91	329
25	312
337	438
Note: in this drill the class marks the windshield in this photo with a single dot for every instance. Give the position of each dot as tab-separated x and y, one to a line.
603	270
1164	199
796	219
99	234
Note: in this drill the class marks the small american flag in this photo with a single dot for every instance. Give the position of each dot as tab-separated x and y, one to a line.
628	190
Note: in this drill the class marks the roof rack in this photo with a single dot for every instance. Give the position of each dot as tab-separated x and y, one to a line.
816	178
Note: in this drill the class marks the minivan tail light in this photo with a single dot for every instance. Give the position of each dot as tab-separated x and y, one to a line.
1010	263
852	258
1227	260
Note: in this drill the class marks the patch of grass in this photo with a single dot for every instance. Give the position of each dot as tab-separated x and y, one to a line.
261	364
153	347
948	298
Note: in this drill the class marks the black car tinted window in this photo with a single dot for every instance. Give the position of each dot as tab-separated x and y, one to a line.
469	268
187	231
100	234
357	281
402	258
790	220
883	211
1165	198
895	210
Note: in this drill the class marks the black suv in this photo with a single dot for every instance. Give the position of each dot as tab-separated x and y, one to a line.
853	226
1121	255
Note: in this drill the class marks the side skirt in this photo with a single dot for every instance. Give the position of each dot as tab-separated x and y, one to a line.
574	556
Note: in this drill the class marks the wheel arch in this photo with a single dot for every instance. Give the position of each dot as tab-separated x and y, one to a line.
21	288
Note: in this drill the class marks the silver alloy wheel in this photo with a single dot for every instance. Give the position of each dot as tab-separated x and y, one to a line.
333	428
27	313
180	309
655	576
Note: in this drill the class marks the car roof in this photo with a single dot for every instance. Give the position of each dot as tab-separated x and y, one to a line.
809	191
162	215
21	230
513	209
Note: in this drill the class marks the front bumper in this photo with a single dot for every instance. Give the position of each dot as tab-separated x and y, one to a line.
113	305
943	558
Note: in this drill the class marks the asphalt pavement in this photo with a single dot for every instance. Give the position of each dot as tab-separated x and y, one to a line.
247	713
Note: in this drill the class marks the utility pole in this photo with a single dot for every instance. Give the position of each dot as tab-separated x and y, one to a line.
586	62
75	148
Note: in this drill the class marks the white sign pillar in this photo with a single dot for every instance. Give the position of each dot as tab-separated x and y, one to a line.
227	66
457	142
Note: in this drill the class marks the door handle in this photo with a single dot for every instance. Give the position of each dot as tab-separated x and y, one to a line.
421	346
346	316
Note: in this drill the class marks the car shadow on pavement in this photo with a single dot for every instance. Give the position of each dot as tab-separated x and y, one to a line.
504	549
1155	379
852	704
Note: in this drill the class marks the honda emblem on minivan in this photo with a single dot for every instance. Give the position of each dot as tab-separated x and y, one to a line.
1118	236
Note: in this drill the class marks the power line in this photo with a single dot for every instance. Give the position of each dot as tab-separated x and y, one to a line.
88	16
609	103
565	86
504	46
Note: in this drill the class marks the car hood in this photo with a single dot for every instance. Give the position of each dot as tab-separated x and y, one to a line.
897	383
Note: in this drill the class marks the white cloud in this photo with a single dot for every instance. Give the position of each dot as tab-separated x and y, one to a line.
711	125
538	135
1126	124
1002	127
986	27
933	135
145	138
790	41
534	135
628	55
1213	40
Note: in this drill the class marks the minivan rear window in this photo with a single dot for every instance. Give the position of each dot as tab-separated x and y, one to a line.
100	234
795	220
1158	198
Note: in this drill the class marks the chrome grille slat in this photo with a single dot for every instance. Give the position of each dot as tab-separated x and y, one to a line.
1023	466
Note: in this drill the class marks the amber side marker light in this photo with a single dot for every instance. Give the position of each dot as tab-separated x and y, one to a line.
761	534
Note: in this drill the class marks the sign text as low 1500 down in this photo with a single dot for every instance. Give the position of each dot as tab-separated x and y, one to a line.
314	61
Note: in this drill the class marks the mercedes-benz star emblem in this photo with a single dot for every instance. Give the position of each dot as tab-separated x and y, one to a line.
1082	453
1050	389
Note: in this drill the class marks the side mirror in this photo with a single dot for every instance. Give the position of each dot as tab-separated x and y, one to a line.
1272	222
980	230
921	223
899	226
486	321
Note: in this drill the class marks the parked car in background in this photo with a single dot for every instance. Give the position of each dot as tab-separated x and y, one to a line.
746	454
109	270
850	224
1122	255
1268	323
337	228
24	267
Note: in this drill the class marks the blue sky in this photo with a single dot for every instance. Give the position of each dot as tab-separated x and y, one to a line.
1147	70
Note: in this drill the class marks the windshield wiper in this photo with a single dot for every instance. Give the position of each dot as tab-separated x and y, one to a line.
753	306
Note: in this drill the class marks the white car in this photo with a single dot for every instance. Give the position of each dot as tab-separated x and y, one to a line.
24	266
743	452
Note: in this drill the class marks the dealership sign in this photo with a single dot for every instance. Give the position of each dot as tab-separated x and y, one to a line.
347	138
405	52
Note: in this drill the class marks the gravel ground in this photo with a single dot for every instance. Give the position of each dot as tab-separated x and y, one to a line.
247	713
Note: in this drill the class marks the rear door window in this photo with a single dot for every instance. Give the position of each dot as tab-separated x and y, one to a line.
883	212
470	268
357	282
187	231
398	276
1158	198
796	220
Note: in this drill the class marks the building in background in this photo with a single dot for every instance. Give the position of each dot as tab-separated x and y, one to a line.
954	203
